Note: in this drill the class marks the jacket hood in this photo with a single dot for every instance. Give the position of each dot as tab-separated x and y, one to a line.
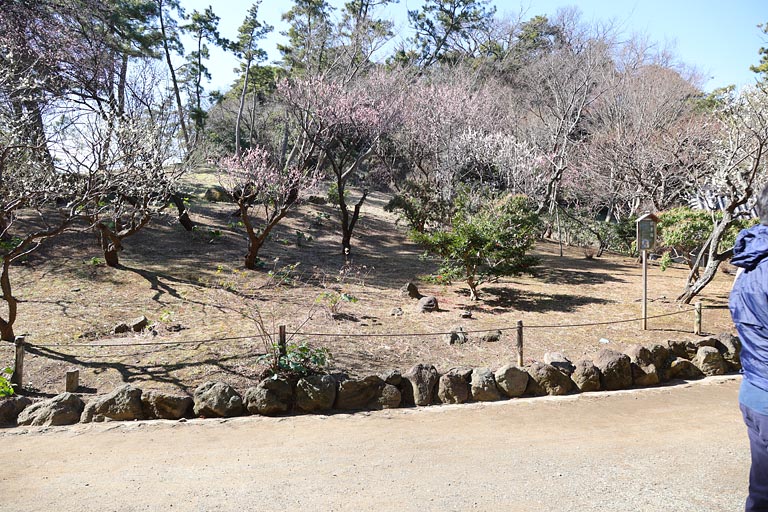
751	247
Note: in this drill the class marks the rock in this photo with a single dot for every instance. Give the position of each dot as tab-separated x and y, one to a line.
317	200
217	400
419	384
396	312
465	313
63	409
316	393
410	290
389	398
560	362
687	348
615	369
359	394
427	304
644	371
10	408
491	337
684	369
730	347
393	377
545	379
217	194
164	406
511	380
586	376
457	336
122	404
644	376
138	324
271	397
482	386
710	361
121	328
453	386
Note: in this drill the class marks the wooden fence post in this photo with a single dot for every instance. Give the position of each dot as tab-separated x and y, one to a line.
520	343
18	367
73	381
697	320
282	348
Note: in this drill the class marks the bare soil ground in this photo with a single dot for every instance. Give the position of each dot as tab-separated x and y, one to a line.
193	288
680	448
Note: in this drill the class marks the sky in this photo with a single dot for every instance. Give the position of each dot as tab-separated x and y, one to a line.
719	38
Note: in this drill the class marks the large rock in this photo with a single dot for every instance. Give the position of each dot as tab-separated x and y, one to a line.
560	362
682	368
63	409
482	386
457	336
271	397
586	376
661	360
316	393
389	398
217	194
164	406
615	369
393	377
217	399
644	371
122	404
10	408
491	336
545	379
359	394
410	290
511	380
427	304
730	347
453	386
418	385
710	361
687	349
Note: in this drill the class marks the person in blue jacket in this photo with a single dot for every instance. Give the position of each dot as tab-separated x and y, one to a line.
748	303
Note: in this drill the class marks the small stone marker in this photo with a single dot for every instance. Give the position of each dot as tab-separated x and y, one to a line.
72	381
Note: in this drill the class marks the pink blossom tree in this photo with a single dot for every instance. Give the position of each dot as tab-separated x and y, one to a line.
257	180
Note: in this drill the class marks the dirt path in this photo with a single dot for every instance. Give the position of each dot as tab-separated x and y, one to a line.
678	448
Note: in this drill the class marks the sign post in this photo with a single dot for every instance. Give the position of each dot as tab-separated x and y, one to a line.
646	241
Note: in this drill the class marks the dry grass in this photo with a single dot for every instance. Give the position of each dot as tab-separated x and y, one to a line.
192	286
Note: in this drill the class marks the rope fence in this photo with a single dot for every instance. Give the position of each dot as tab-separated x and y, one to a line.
282	336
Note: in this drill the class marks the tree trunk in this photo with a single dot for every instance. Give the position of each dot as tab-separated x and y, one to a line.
472	288
184	219
174	81
110	245
348	221
241	107
6	326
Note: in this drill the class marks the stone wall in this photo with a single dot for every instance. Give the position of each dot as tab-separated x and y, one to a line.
420	386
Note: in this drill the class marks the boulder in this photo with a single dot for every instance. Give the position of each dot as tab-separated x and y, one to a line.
427	304
687	348
418	385
457	336
465	313
615	369
393	377
644	371
511	380
684	369
217	400
164	406
359	394
122	404
661	360
586	376
121	328
10	408
482	386
710	361
271	397
410	290
396	312
138	324
316	393
389	398
730	347
63	409
560	362
491	337
545	379
217	194
453	386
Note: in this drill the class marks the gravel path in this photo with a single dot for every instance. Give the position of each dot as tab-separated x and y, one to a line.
676	448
